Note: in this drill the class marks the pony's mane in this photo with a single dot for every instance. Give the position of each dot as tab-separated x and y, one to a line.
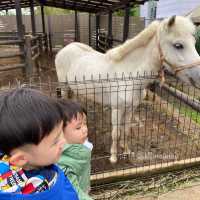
141	39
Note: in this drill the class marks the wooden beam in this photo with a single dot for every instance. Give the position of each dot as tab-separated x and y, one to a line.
32	17
76	4
12	67
92	3
92	6
11	5
122	4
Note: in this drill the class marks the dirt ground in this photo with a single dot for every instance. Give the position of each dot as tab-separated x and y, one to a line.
158	140
190	193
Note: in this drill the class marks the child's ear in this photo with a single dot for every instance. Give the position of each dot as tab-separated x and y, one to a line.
18	159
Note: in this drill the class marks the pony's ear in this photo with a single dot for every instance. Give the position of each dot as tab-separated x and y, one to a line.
171	21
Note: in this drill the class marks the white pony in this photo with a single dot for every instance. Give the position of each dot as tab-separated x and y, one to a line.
168	43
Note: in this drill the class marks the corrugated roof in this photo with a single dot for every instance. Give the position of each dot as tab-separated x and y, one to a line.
93	6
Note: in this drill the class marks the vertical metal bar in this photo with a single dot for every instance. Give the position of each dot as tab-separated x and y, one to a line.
43	19
97	31
110	30
32	17
89	26
126	23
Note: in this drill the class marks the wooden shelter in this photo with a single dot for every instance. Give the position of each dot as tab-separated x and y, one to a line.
96	7
91	6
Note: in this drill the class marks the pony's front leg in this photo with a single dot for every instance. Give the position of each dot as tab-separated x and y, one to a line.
125	130
116	118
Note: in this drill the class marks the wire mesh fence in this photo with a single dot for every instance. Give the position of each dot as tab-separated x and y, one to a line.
153	128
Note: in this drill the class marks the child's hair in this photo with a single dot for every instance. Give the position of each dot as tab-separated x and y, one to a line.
71	110
26	117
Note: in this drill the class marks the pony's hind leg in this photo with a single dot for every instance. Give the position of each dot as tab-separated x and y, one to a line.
116	118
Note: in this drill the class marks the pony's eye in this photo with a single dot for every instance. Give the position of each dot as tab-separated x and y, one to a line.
178	46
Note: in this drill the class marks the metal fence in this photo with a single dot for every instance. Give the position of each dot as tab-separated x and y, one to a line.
163	132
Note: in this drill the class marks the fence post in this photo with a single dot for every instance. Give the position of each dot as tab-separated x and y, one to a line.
50	36
97	31
126	23
45	37
40	44
28	54
110	42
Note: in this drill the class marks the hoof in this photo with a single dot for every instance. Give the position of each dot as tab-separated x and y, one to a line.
127	151
113	159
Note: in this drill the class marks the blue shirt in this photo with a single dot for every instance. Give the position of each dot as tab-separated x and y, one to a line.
61	190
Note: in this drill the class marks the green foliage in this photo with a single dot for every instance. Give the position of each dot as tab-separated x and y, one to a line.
135	11
2	13
194	115
9	13
52	11
12	12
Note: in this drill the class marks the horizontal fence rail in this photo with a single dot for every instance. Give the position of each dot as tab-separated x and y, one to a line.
189	100
24	53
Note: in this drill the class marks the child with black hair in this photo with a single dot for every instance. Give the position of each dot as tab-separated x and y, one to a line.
76	157
31	141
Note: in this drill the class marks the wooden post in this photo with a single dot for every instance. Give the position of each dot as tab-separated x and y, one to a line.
97	31
43	19
89	24
20	28
32	17
110	30
40	43
50	41
126	23
77	38
29	61
44	28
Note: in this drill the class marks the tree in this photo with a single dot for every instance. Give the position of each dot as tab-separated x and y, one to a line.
52	11
134	11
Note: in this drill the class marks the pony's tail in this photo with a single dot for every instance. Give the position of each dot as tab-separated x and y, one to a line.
62	63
